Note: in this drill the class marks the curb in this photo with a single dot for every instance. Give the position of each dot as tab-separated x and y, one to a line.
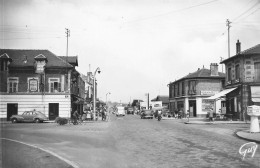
246	138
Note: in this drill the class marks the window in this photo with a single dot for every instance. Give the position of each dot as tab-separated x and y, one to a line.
176	90
192	87
54	85
12	84
237	72
182	88
257	71
229	74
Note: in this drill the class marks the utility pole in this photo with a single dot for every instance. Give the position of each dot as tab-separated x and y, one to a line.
228	25
67	35
221	59
148	100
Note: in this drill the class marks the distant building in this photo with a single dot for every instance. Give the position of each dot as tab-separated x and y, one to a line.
187	94
164	99
40	80
243	76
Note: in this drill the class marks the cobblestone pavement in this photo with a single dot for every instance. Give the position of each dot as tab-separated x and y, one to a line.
150	143
129	142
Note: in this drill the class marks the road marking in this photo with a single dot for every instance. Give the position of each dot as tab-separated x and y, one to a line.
45	150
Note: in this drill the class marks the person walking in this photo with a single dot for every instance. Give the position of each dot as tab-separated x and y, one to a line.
211	115
75	117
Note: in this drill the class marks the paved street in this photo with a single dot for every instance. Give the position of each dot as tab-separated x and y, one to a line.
131	142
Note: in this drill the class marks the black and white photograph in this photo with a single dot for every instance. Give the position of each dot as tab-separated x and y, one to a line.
130	83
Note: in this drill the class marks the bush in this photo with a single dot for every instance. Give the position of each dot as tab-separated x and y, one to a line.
61	121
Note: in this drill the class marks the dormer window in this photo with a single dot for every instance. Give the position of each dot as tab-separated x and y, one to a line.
4	62
40	62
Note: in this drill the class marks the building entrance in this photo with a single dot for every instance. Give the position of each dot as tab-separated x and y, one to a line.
192	108
12	109
53	111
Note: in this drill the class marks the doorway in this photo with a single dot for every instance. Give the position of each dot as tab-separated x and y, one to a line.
192	108
12	109
53	111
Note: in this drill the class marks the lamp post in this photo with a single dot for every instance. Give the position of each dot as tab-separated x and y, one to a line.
94	91
106	97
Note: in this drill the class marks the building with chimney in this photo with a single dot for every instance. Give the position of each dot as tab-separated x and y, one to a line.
187	94
243	76
39	80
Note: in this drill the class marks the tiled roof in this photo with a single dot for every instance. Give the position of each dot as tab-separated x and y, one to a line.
71	59
25	58
164	99
250	51
202	73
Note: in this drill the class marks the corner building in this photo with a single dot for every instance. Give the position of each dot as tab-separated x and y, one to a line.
187	94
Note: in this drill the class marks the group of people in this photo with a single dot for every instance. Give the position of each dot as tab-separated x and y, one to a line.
76	116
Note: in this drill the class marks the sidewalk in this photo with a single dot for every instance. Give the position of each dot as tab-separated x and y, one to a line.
243	134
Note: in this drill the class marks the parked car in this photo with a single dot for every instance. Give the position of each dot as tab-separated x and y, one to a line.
120	111
29	116
147	114
130	110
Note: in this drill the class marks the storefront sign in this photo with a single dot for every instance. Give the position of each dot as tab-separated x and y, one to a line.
207	105
208	92
33	85
253	110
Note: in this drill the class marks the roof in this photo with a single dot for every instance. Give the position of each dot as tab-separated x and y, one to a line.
163	98
26	58
202	73
71	59
248	52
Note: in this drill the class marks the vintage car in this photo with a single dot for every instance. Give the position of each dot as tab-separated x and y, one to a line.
146	114
29	116
130	110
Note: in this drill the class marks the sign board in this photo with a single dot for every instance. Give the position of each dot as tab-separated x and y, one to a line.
33	83
208	92
253	110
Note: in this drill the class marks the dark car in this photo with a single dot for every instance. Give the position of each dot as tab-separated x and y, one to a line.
130	110
29	116
147	114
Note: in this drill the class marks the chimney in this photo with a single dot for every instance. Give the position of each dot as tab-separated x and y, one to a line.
213	69
238	47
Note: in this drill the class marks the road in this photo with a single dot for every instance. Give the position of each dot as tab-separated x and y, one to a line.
129	142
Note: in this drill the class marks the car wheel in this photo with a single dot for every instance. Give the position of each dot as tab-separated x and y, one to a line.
37	120
14	120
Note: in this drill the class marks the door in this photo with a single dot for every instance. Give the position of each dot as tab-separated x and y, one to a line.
192	108
12	109
53	110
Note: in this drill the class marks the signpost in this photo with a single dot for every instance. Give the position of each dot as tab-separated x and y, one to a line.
254	112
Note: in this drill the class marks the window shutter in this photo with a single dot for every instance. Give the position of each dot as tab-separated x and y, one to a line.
52	87
59	87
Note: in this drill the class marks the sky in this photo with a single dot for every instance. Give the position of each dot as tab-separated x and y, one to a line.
140	46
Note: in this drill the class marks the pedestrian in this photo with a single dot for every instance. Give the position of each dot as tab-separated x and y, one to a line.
75	117
211	114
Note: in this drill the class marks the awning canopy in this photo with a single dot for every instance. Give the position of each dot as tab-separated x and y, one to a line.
255	93
220	94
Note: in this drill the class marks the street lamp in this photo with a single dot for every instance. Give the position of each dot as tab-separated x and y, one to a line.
94	91
106	97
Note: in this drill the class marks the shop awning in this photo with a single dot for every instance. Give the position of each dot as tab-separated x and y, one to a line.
255	93
220	94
